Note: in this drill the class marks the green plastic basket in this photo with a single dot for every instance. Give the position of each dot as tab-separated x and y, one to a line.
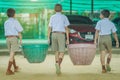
35	53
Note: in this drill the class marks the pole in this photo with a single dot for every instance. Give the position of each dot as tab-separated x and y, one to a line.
70	7
92	8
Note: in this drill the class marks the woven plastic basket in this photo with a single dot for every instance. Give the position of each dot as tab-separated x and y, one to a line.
35	53
82	54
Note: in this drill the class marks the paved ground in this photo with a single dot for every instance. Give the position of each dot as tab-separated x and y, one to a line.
46	70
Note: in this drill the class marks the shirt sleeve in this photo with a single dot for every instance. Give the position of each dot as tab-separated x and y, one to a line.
66	22
50	22
18	27
114	29
98	25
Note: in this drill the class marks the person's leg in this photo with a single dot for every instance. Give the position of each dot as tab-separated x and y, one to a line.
57	62
55	49
109	57
13	47
61	58
108	61
10	63
16	68
102	59
61	43
109	51
102	53
57	57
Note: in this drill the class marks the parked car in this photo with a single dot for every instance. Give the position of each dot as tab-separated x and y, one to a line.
116	21
78	19
81	29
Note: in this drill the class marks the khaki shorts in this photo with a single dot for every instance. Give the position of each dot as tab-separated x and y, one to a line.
12	44
105	43
58	42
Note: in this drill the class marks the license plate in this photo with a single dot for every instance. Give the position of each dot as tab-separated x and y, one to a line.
90	37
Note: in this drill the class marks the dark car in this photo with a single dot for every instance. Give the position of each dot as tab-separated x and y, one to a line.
116	21
81	29
78	19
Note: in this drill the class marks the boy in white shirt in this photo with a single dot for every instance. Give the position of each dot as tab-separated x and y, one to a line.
58	25
13	31
104	28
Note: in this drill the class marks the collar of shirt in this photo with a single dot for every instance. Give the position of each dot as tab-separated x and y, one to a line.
105	19
58	12
11	18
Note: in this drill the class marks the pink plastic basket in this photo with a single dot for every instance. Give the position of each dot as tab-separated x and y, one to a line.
82	54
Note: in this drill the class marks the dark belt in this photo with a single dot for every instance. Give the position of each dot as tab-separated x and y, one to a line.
58	32
11	36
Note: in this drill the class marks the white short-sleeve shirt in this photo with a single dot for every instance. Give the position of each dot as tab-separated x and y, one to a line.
105	26
12	27
58	22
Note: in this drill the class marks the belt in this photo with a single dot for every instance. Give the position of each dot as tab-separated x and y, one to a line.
11	36
104	35
58	32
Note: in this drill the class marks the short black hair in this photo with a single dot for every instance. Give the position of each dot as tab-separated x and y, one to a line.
10	12
105	13
58	8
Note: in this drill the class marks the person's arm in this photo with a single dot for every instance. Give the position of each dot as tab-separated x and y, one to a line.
20	37
49	31
67	23
98	27
96	36
116	39
19	29
67	35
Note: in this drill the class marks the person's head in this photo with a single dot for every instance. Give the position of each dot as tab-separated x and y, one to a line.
10	12
58	8
104	14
